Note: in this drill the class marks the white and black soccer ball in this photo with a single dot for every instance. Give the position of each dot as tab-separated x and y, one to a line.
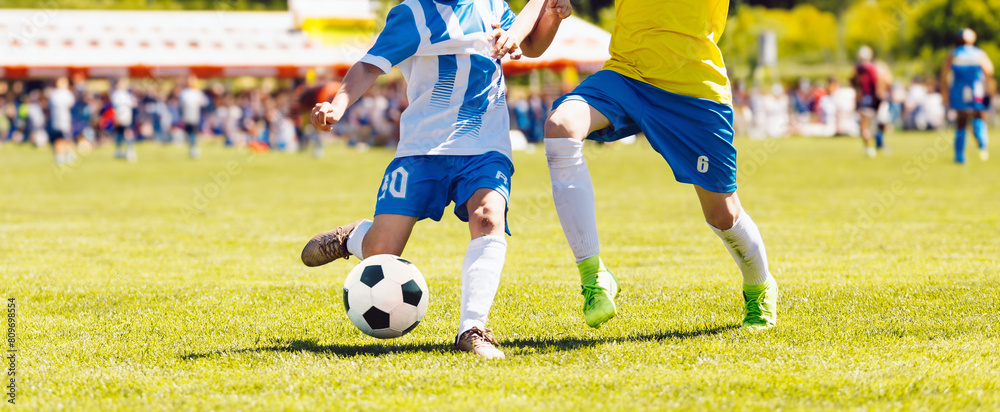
385	296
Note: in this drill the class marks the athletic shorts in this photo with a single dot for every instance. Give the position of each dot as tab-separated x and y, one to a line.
423	186
869	102
962	100
694	136
56	135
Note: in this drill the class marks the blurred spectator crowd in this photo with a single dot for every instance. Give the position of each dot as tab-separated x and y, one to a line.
271	117
829	108
263	117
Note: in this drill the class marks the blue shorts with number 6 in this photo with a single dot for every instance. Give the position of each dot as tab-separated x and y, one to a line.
423	186
694	135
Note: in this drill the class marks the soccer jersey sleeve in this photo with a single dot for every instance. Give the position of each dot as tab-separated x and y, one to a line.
508	17
397	42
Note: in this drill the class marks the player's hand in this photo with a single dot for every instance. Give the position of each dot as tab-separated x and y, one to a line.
322	117
503	44
561	8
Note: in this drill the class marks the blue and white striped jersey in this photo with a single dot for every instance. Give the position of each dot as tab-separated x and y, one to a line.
456	90
969	82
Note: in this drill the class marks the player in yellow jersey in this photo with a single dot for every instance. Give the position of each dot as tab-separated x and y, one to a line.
667	79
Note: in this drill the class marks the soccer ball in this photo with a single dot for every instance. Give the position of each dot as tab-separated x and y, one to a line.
385	296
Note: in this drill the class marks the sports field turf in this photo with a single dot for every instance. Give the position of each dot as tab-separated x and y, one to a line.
173	284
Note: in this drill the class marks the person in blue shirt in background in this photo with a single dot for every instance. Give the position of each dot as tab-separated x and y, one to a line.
968	70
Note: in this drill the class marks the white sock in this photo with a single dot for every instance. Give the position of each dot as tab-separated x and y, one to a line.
744	242
480	280
357	237
573	193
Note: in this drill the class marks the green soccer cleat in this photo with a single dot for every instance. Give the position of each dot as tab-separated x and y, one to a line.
761	311
599	289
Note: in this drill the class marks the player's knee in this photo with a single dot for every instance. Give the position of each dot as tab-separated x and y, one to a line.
487	219
560	125
721	218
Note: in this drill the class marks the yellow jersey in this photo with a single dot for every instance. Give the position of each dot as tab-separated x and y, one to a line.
673	45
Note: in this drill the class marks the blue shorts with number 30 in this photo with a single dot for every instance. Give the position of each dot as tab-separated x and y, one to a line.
423	186
694	135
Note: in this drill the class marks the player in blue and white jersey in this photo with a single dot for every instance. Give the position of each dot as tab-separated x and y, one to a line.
967	70
454	137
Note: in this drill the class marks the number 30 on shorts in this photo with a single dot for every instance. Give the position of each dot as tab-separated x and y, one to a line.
702	164
394	183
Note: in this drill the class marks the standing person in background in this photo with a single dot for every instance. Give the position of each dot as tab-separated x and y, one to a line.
6	114
866	88
967	70
5	123
192	101
122	103
35	115
61	103
883	114
83	132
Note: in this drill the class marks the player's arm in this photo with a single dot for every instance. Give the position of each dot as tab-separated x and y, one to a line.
398	41
545	26
946	79
533	30
358	80
987	66
884	79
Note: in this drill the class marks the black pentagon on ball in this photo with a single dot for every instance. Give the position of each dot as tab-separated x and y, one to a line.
372	276
404	261
376	318
412	293
347	304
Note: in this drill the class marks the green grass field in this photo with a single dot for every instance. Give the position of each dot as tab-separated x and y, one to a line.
173	284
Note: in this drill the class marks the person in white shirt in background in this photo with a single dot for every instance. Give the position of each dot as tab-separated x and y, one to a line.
192	101
122	102
61	101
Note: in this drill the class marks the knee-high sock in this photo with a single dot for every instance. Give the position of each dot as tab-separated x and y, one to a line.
573	193
744	242
880	136
982	135
480	280
960	145
357	237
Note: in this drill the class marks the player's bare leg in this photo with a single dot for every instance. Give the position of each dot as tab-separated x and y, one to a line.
63	151
388	234
573	193
742	238
866	132
481	270
979	130
961	131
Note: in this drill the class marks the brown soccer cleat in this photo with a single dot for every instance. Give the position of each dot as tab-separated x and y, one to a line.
480	342
328	246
